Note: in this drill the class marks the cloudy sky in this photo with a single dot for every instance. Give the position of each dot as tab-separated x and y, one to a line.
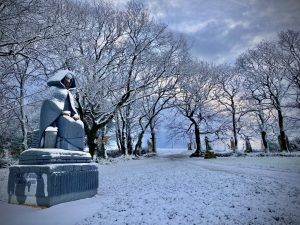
219	30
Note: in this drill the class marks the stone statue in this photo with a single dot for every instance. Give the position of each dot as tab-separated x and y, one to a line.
55	169
59	111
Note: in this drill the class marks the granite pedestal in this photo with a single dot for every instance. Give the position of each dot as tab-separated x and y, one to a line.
46	177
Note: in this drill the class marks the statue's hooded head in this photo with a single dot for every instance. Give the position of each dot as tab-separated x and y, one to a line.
63	79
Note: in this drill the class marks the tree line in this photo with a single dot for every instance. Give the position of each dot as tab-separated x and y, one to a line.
131	68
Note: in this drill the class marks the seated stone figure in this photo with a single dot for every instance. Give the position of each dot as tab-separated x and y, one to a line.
59	111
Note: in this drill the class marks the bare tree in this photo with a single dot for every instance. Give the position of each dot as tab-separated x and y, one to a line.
118	61
151	107
262	66
194	100
258	110
289	44
158	97
228	95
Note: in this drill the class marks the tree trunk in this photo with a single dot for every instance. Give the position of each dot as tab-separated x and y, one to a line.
263	126
197	152
91	137
123	145
23	117
123	137
282	135
127	125
234	130
101	151
153	137
264	140
118	137
128	136
129	143
139	142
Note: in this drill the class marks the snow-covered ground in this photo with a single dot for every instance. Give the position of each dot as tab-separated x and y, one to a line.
172	188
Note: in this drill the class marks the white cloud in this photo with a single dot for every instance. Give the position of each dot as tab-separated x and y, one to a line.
191	27
234	23
155	9
175	3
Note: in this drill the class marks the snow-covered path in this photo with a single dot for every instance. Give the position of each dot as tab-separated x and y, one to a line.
176	189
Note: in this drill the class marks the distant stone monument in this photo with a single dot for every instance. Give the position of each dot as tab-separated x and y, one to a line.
55	169
248	145
209	154
149	145
232	144
207	144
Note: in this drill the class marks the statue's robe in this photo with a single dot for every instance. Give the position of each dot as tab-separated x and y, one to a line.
70	131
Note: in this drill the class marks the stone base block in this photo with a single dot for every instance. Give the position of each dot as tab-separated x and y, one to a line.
47	185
